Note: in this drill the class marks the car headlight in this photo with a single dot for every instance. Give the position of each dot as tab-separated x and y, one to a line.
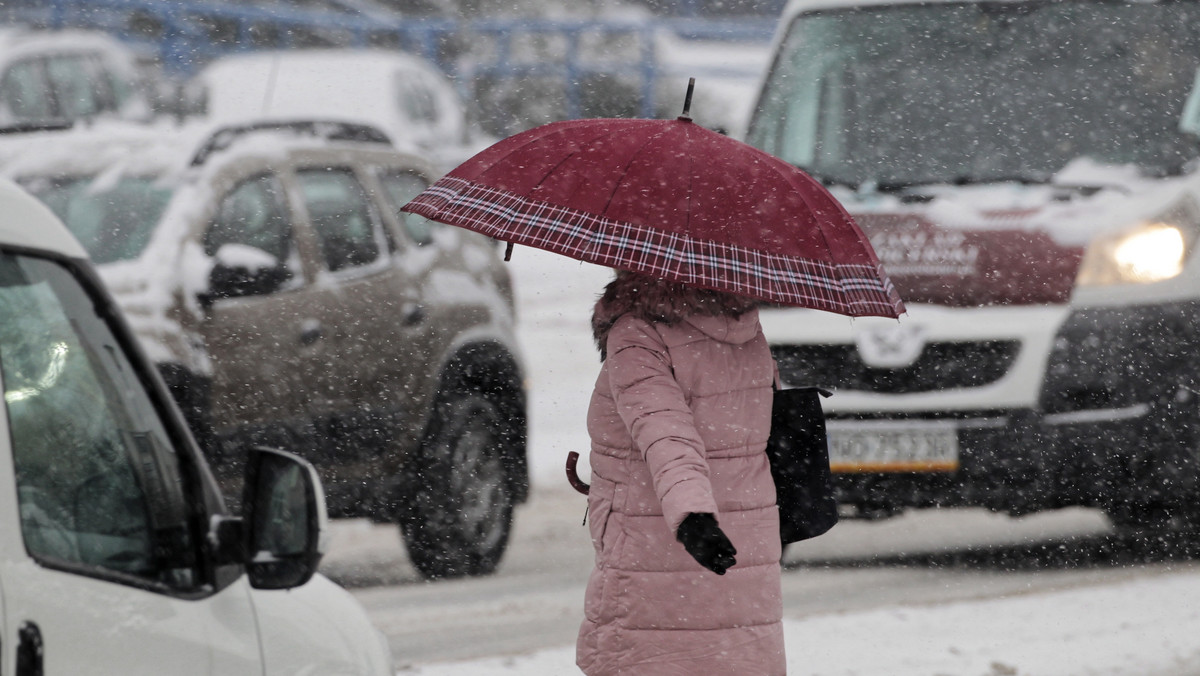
1149	252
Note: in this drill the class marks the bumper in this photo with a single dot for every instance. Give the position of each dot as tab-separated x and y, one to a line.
1021	462
1118	424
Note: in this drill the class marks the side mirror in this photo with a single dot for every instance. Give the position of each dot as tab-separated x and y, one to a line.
243	271
284	519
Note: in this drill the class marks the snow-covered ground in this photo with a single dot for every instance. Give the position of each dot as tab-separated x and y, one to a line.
1142	627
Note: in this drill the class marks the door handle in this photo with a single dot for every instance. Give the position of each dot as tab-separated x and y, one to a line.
412	314
29	650
310	332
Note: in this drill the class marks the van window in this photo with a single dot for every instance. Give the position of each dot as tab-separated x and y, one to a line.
253	214
340	213
940	93
417	100
100	485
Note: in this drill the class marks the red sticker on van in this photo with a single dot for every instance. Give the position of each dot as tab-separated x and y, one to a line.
970	268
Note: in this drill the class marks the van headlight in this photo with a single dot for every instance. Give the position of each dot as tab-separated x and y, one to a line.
1148	252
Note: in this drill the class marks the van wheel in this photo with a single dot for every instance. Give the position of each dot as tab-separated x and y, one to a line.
461	508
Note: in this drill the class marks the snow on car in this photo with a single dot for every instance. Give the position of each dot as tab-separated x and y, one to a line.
287	301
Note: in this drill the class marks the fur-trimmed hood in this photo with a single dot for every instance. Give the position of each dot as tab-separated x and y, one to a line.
665	302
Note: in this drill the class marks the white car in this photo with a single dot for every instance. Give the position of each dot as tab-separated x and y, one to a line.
65	76
404	95
1029	174
117	554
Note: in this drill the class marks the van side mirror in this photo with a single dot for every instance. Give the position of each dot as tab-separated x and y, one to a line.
284	519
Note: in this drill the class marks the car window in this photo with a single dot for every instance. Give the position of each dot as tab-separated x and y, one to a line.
400	187
340	213
114	222
72	86
99	483
24	91
101	80
252	214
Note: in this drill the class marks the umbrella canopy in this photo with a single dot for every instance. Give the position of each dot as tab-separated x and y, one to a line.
671	199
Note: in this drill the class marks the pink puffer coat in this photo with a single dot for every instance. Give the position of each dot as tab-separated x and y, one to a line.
679	420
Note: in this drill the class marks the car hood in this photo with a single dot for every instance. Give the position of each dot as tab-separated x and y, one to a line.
1006	243
319	628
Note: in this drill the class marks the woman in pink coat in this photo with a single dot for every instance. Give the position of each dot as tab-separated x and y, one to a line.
682	505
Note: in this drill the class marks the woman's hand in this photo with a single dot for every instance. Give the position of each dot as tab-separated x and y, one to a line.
706	542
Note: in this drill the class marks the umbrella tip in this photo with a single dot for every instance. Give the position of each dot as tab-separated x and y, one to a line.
687	101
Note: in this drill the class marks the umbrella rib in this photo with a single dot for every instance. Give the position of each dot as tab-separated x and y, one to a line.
632	158
551	171
690	175
778	171
528	142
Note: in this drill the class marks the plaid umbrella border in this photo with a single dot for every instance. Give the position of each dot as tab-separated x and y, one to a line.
848	289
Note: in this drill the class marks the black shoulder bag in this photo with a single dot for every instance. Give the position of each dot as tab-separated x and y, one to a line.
799	454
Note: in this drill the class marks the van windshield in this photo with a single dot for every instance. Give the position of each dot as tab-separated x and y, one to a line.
937	93
113	221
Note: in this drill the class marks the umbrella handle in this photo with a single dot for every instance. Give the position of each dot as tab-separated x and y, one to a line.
573	476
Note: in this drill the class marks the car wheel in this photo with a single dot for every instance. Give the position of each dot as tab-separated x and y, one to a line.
461	506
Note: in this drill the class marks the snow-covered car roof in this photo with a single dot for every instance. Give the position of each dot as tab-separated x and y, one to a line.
302	76
795	7
121	148
165	149
108	152
26	222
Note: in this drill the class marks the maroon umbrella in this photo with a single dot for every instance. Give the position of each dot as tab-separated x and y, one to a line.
671	199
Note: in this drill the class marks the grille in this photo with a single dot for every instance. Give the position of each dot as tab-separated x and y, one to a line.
941	366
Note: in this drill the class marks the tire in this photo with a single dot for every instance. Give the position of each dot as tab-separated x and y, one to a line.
461	506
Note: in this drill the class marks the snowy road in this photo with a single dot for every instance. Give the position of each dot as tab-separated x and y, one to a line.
909	588
934	593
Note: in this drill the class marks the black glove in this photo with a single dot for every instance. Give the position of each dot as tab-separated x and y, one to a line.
704	540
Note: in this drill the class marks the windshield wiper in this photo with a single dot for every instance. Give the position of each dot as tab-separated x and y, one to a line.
965	179
830	181
872	185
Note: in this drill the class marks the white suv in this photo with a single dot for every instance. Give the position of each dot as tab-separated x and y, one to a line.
117	554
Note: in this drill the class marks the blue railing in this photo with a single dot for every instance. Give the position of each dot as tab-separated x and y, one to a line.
186	34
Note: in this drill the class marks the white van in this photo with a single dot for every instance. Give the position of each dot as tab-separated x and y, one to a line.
407	97
1028	174
117	555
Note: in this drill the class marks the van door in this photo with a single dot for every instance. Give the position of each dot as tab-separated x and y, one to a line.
101	529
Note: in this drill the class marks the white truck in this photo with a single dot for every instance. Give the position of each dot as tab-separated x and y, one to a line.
1027	172
117	554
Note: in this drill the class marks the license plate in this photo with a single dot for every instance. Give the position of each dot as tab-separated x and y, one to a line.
893	446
